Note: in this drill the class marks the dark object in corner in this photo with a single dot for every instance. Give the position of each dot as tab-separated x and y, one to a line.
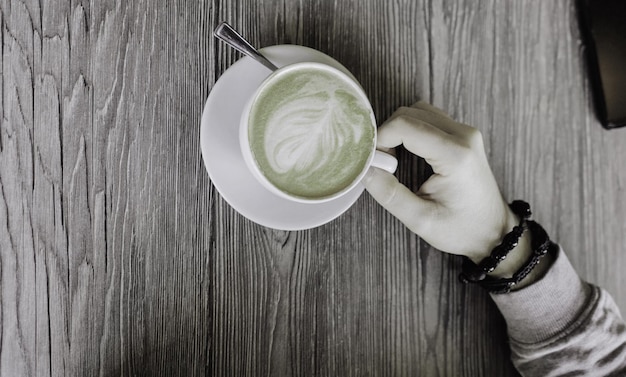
603	27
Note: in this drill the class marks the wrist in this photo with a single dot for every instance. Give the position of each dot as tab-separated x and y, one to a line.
511	220
518	256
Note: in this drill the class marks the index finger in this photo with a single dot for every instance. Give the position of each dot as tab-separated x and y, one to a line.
419	137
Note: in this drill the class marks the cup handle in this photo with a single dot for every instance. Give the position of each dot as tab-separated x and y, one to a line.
385	161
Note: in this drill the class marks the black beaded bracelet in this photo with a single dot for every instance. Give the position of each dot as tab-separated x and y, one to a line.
541	245
473	273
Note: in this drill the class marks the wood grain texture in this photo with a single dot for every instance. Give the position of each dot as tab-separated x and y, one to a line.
118	256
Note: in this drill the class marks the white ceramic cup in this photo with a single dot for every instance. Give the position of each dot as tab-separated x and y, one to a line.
376	158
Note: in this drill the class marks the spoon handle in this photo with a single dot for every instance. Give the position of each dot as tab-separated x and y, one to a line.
226	33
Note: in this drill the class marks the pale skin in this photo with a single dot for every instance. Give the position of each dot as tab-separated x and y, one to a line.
459	209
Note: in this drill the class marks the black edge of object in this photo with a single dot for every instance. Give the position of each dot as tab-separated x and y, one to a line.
585	24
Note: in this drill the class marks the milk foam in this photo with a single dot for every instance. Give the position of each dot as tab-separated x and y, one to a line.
316	133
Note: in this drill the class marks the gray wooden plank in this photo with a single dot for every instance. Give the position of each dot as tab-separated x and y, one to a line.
18	248
91	261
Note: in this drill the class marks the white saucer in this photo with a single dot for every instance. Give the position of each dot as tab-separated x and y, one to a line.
222	157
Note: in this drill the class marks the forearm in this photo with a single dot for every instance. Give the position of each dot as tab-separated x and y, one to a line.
561	324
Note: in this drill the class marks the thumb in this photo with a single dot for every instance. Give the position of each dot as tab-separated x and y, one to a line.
397	199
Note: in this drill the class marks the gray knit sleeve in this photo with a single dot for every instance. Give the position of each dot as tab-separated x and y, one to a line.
561	325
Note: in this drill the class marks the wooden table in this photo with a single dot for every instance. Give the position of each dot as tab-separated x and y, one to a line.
119	257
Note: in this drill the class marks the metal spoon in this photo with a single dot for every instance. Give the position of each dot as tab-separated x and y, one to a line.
226	33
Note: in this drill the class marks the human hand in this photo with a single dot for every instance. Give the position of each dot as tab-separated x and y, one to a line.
459	209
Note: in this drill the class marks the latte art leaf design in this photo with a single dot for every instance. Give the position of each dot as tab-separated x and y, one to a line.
311	134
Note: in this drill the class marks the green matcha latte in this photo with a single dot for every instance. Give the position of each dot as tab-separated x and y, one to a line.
311	132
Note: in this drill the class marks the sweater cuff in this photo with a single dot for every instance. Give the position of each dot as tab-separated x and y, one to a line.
548	306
